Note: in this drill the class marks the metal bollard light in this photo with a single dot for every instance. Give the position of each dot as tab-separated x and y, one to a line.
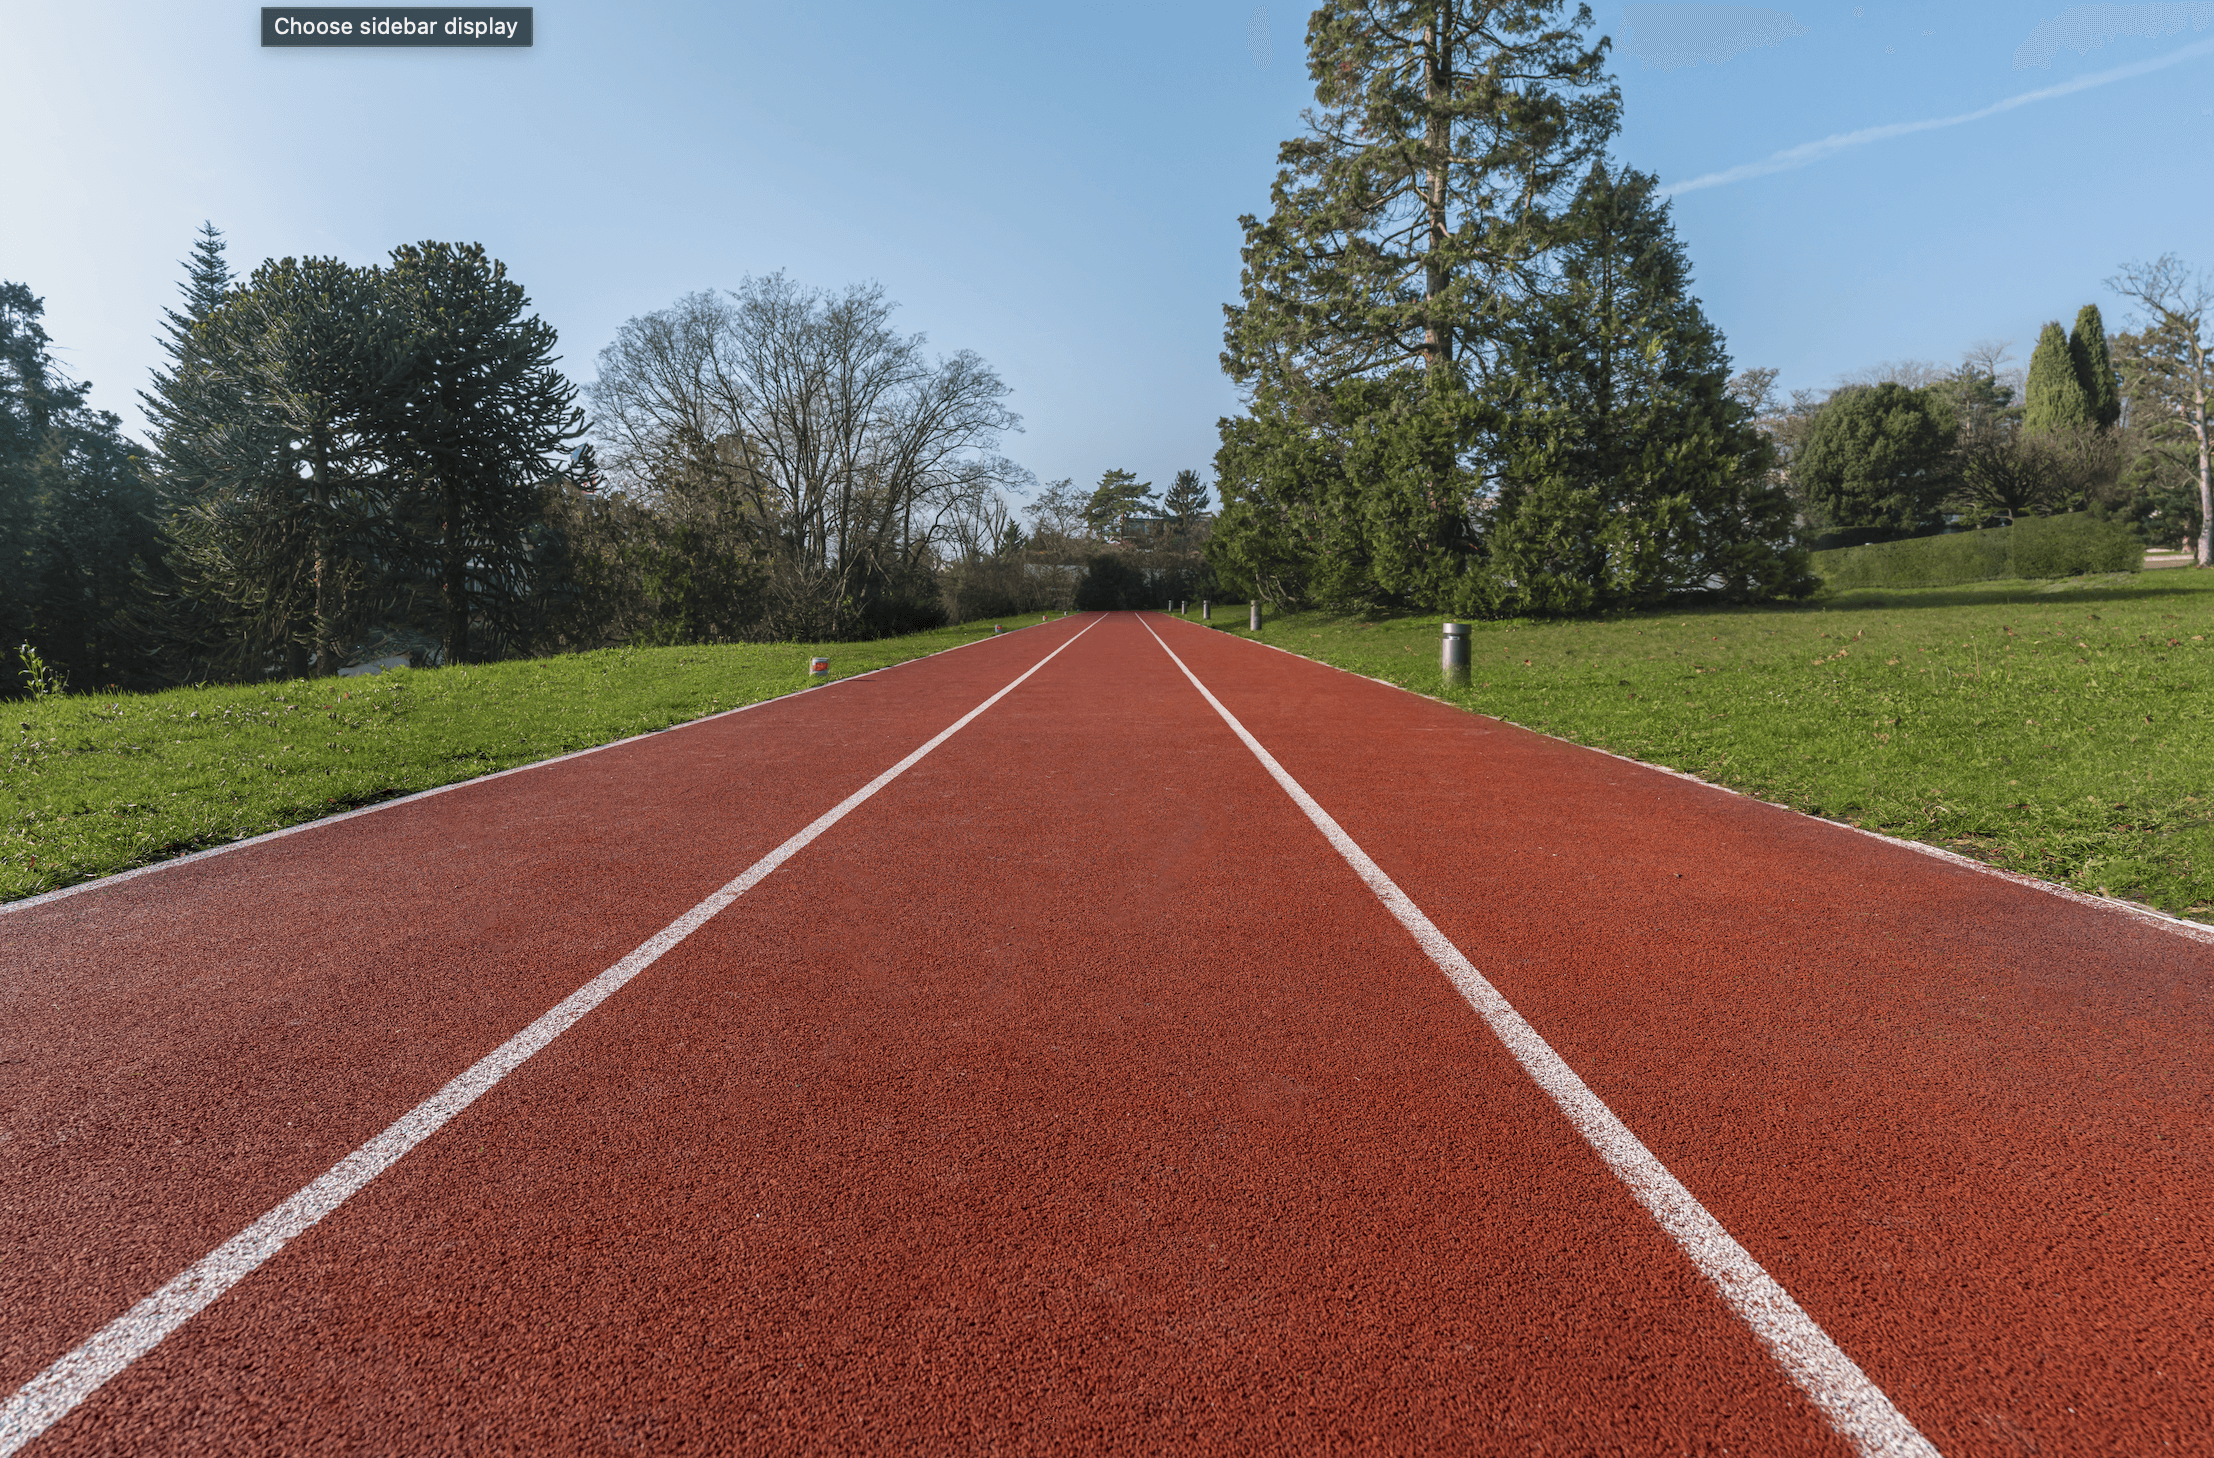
1253	616
1454	657
1203	610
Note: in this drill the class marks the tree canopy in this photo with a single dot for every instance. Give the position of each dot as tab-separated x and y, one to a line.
1403	224
1880	459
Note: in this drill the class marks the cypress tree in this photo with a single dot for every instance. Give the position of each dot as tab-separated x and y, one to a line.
2054	399
2094	369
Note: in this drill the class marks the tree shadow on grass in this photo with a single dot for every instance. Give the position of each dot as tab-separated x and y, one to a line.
2005	592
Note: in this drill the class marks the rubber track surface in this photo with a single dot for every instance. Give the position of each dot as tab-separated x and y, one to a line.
1073	1096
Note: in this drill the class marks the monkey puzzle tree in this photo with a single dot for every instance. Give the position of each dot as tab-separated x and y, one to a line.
291	526
471	410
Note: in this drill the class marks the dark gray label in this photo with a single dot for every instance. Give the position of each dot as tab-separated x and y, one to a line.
413	25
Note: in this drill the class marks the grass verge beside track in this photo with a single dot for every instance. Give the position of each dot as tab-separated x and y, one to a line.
99	783
2061	729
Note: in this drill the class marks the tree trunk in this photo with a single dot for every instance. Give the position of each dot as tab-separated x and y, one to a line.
2206	488
455	580
326	575
1437	80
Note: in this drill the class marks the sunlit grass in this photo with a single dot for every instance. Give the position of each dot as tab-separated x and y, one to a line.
100	783
2063	729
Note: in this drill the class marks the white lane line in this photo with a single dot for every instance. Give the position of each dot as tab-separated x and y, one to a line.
118	877
1855	1406
49	1397
2159	920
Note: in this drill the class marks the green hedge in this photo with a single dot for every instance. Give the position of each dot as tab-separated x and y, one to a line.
2051	546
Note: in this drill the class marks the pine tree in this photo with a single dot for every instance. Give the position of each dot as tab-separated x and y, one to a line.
2054	399
1880	459
1119	496
187	619
2094	368
178	406
75	515
1629	469
1186	500
1403	222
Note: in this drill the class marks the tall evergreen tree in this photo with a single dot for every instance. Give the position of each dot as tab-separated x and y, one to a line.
293	528
2054	398
190	625
472	411
1630	470
1119	496
2094	367
1406	235
1403	223
76	518
1186	500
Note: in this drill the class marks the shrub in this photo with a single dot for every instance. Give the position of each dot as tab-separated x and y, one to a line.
2055	546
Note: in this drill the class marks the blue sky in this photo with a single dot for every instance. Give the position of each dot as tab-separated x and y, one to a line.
1058	187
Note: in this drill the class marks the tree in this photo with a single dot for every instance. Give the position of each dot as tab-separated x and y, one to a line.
1056	516
1186	501
192	626
1403	224
1879	461
2055	398
1111	584
2094	368
292	527
471	410
76	518
2002	470
856	446
1630	471
1293	525
2167	372
1119	496
1405	235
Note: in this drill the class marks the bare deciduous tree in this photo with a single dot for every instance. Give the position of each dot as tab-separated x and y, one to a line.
2165	369
856	452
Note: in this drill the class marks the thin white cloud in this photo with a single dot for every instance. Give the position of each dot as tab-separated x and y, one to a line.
2088	27
1811	152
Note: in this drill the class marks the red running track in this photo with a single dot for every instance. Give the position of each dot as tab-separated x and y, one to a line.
1072	1094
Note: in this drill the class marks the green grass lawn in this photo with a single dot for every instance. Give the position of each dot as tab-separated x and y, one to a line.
100	783
2064	729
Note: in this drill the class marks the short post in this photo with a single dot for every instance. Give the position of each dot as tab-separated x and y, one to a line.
818	671
1253	616
1203	610
1454	658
